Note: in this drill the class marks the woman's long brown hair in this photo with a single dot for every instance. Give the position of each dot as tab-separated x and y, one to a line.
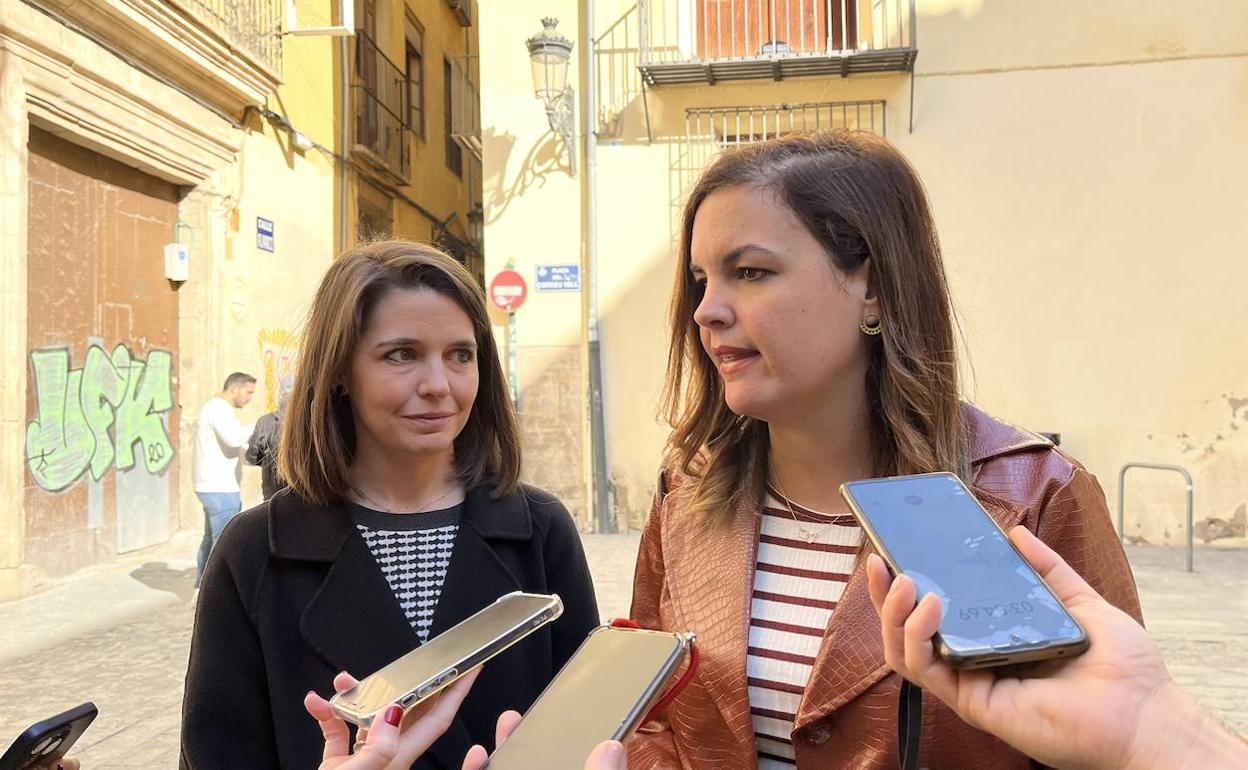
318	434
860	199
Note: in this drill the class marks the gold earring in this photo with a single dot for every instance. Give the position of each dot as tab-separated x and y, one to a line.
871	326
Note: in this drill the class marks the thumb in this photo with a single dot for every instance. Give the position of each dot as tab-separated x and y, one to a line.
1060	576
608	755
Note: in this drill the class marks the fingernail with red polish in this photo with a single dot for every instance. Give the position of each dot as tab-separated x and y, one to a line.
394	715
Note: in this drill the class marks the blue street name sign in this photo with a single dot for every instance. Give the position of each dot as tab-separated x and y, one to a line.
264	234
558	278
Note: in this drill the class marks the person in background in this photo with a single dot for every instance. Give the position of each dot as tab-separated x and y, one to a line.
262	449
219	442
1114	707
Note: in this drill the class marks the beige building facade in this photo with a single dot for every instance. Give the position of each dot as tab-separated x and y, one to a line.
1085	163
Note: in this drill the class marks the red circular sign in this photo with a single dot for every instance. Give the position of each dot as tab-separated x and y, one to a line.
508	290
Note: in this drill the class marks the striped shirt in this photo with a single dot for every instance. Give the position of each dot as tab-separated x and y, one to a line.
801	570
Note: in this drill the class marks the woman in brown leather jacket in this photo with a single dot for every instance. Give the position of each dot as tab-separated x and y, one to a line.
812	344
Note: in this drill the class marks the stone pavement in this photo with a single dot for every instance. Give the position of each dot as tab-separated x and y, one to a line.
60	648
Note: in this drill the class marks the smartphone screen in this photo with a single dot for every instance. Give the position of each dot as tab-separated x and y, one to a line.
460	647
602	693
934	531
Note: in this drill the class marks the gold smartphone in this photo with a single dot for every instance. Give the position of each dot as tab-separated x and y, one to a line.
447	656
997	609
602	693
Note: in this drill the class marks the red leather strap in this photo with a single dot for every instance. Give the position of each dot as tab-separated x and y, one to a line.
681	683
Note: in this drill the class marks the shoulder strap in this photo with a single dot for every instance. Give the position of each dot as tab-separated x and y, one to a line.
909	724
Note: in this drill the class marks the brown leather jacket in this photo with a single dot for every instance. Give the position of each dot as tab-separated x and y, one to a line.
694	578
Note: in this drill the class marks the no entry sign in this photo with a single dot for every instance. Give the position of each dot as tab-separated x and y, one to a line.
508	290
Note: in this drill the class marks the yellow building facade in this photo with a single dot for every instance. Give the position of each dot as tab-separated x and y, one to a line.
1085	163
414	146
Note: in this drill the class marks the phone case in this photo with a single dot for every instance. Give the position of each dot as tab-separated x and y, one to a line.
49	740
508	620
985	657
602	693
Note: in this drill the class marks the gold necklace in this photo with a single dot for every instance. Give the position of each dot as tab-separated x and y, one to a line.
420	509
809	535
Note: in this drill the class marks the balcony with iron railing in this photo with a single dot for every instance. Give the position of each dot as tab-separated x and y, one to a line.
251	26
379	93
704	41
227	53
466	104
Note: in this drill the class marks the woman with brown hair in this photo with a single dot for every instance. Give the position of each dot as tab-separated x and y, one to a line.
404	515
813	343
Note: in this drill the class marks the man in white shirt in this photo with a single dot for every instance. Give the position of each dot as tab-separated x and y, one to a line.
220	441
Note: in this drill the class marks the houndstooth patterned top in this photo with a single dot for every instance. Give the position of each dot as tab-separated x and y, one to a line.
413	551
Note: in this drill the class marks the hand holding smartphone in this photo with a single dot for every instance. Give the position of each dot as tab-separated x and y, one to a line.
447	656
997	610
602	693
48	741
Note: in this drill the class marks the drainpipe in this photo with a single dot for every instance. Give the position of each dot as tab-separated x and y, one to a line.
603	520
344	200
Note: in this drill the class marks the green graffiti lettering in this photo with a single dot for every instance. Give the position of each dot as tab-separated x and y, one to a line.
75	408
58	442
148	396
103	386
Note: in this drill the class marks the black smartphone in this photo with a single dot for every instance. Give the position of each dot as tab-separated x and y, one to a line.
47	741
997	609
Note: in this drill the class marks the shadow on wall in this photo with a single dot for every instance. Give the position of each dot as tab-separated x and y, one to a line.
547	156
552	424
634	324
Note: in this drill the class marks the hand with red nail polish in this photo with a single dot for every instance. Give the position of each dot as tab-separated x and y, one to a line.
393	742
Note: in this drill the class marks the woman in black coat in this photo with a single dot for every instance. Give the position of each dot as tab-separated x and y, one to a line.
403	517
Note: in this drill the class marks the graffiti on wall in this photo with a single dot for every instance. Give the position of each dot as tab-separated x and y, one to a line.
76	408
277	349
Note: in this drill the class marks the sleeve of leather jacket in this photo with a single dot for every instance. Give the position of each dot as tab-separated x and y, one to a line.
653	746
262	441
1075	522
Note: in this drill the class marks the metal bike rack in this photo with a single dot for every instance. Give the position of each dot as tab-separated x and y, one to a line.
1122	480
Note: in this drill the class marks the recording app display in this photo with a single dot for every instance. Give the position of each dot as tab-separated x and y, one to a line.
940	537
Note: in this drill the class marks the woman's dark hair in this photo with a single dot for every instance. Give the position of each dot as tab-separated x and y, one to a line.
318	434
860	198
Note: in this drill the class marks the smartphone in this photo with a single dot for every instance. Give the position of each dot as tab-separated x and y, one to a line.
602	693
997	610
49	740
447	656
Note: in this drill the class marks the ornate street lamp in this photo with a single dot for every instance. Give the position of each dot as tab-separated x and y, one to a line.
476	225
550	54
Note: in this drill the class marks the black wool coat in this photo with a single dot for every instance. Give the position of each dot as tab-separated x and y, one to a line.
291	596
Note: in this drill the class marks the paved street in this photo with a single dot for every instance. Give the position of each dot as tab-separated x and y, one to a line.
134	671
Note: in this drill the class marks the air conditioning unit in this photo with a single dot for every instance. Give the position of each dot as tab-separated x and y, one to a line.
462	10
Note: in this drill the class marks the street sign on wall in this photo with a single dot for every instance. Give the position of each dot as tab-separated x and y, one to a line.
558	278
508	290
264	234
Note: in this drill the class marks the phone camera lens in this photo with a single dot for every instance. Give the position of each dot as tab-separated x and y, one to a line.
913	499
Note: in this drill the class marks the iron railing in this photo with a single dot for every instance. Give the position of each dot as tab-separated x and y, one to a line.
1122	492
253	26
689	41
379	103
710	131
465	104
